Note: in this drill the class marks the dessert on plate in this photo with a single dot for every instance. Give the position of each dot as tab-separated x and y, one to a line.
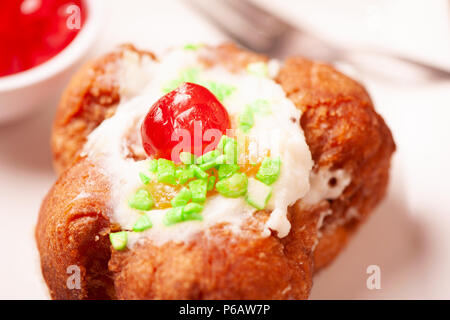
207	173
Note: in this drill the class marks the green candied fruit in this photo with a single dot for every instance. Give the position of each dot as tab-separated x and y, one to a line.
208	157
166	171
258	69
208	165
220	90
246	119
198	172
144	178
189	212
220	160
226	170
173	216
182	198
234	186
119	240
192	208
231	152
192	212
269	171
222	142
153	165
208	160
141	200
258	194
198	189
142	224
187	75
183	175
193	46
229	147
187	157
211	183
260	106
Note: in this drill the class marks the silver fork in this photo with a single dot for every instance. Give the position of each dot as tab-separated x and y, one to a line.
255	28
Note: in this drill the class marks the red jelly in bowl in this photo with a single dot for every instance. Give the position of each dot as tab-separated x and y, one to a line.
33	31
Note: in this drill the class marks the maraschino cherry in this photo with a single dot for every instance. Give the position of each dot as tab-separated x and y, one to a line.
189	112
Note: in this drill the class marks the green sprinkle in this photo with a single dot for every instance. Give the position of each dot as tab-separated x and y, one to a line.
192	208
145	179
258	194
226	170
153	165
166	171
258	69
141	200
182	198
220	90
246	119
222	142
208	157
261	106
211	182
187	75
234	186
142	224
187	157
231	151
192	212
198	172
184	175
193	46
207	166
192	216
269	171
220	160
198	190
173	216
207	161
190	75
119	240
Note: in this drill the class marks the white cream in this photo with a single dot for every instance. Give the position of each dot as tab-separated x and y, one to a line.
326	184
134	73
278	131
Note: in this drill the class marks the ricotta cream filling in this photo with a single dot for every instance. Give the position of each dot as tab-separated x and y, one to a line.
326	184
277	130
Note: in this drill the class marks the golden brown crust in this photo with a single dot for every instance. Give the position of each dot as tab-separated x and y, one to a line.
72	230
342	130
218	266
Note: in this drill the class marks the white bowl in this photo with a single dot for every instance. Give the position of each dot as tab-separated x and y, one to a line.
25	92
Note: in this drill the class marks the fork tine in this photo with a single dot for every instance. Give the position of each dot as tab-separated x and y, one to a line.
253	28
260	17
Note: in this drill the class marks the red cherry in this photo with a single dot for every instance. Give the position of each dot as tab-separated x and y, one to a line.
189	118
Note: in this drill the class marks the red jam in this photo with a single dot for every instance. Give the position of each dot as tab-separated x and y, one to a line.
33	31
189	118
